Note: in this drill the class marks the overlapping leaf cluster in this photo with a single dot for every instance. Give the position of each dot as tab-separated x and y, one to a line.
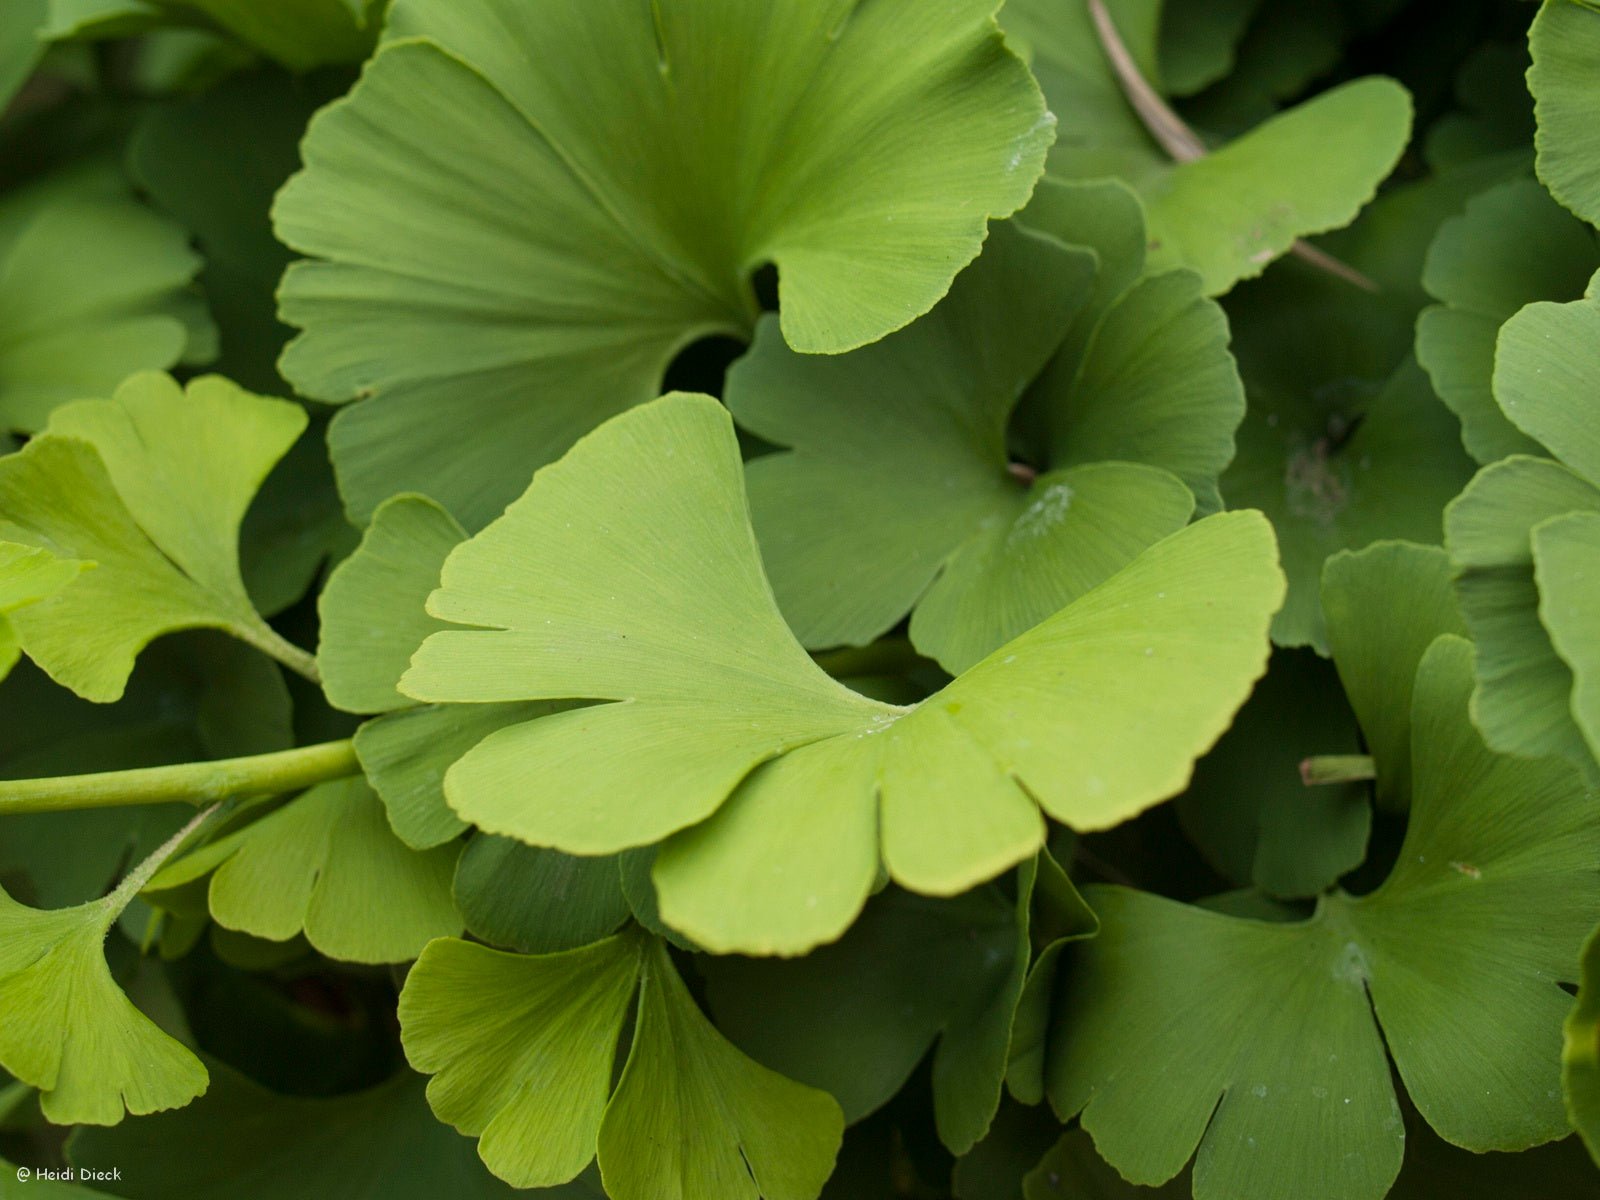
682	549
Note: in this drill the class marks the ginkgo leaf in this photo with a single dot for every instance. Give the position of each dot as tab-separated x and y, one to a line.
93	287
1233	211
69	1030
372	608
151	486
380	1141
1545	380
1580	1056
626	211
537	901
1130	388
1565	41
1259	1042
1524	698
1483	278
188	157
856	1017
1337	467
1249	812
327	865
405	755
521	1051
299	34
1566	563
1385	605
28	574
374	617
1494	112
1095	714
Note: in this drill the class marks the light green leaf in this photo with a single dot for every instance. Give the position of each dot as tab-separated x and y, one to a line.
919	505
1098	712
69	1030
1339	469
373	619
1580	1056
372	609
537	901
93	287
1259	1043
1307	171
405	755
327	865
1482	278
1230	213
1524	698
730	1129
860	148
1565	40
521	1048
1547	375
152	487
1566	562
1385	606
381	1141
28	574
521	1051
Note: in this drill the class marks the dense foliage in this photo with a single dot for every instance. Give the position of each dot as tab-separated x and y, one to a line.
715	599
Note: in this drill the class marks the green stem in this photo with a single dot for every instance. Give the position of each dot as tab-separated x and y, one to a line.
273	644
136	879
1337	768
188	783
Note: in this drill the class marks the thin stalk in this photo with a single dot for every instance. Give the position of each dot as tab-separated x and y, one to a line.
1181	143
186	783
1324	769
273	644
133	883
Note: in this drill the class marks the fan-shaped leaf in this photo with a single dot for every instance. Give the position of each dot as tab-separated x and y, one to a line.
93	287
69	1030
327	865
1483	278
1128	387
1098	712
1565	40
1231	212
1260	1043
537	901
624	211
1566	561
151	487
1545	379
28	574
521	1051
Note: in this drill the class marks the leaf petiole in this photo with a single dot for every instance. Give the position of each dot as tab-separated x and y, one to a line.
1337	768
189	783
